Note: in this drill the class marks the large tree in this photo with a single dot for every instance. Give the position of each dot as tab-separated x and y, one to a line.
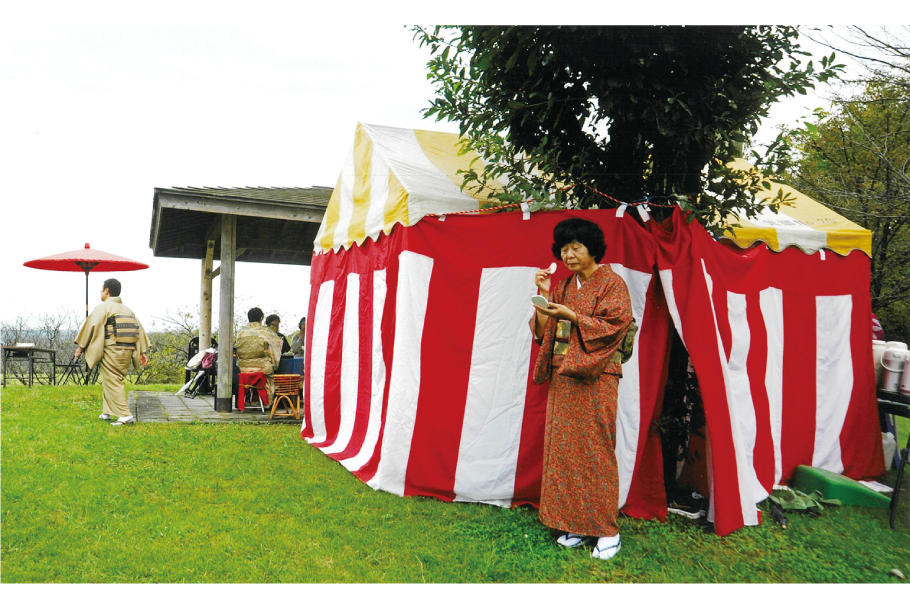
588	116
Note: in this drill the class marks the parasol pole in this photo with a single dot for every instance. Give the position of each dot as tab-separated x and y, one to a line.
87	267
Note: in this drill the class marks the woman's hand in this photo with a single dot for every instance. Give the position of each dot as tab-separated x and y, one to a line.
558	311
542	278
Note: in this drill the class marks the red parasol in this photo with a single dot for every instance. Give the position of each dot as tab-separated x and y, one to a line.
85	260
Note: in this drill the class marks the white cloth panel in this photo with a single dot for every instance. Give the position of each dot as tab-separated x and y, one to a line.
740	387
628	411
318	354
350	365
497	386
772	309
833	378
414	272
377	381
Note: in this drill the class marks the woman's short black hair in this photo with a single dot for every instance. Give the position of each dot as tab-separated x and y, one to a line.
254	315
586	232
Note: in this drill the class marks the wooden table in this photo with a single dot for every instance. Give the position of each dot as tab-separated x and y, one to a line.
892	403
30	355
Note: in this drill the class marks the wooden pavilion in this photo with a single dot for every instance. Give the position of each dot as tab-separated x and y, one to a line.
264	225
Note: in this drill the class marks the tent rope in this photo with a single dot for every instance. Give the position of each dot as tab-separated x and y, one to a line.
514	205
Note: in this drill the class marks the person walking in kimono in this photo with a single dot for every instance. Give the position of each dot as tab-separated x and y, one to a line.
580	333
114	337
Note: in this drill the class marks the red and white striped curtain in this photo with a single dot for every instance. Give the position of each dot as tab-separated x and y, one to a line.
781	345
419	357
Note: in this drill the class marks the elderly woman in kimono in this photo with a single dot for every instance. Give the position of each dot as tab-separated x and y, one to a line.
580	333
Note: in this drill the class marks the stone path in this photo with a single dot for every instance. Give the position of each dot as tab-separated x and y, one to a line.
162	407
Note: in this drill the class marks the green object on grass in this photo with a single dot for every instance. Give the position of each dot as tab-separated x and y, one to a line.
833	486
800	502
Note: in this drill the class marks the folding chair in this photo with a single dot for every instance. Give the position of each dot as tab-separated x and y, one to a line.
72	371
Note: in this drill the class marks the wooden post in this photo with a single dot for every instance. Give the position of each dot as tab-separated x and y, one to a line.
224	401
205	298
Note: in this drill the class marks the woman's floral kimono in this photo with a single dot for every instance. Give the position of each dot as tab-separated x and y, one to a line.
580	487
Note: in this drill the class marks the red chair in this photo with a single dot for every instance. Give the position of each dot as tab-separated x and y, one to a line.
256	384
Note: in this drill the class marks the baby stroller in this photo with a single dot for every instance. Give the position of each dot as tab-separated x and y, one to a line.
205	365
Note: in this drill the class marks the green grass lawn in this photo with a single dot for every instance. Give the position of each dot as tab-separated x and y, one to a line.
86	502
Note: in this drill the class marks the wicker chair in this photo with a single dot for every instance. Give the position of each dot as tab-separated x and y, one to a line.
287	394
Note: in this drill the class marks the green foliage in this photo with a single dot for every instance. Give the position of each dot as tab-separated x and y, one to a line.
813	503
566	115
855	159
167	358
167	355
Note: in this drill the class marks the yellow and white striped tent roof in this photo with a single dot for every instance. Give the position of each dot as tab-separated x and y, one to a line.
394	175
805	223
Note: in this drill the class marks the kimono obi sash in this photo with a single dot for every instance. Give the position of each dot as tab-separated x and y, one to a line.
123	329
561	339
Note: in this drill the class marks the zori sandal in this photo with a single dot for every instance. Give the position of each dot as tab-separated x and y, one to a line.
571	540
606	548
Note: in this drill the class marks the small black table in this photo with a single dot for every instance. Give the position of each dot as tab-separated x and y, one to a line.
31	355
893	403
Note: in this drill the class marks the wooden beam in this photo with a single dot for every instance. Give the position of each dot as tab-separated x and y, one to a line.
224	401
205	298
156	224
214	229
205	313
271	210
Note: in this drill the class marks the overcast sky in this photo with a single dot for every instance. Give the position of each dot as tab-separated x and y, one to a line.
103	104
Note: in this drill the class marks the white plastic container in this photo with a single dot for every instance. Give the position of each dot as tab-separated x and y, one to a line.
893	360
878	348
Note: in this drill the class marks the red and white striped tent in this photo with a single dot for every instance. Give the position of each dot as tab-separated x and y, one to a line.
419	353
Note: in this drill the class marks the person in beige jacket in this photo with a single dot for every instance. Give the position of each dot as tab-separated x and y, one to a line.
113	336
258	349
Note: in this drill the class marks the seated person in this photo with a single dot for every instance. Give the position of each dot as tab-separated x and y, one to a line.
258	349
273	322
299	342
